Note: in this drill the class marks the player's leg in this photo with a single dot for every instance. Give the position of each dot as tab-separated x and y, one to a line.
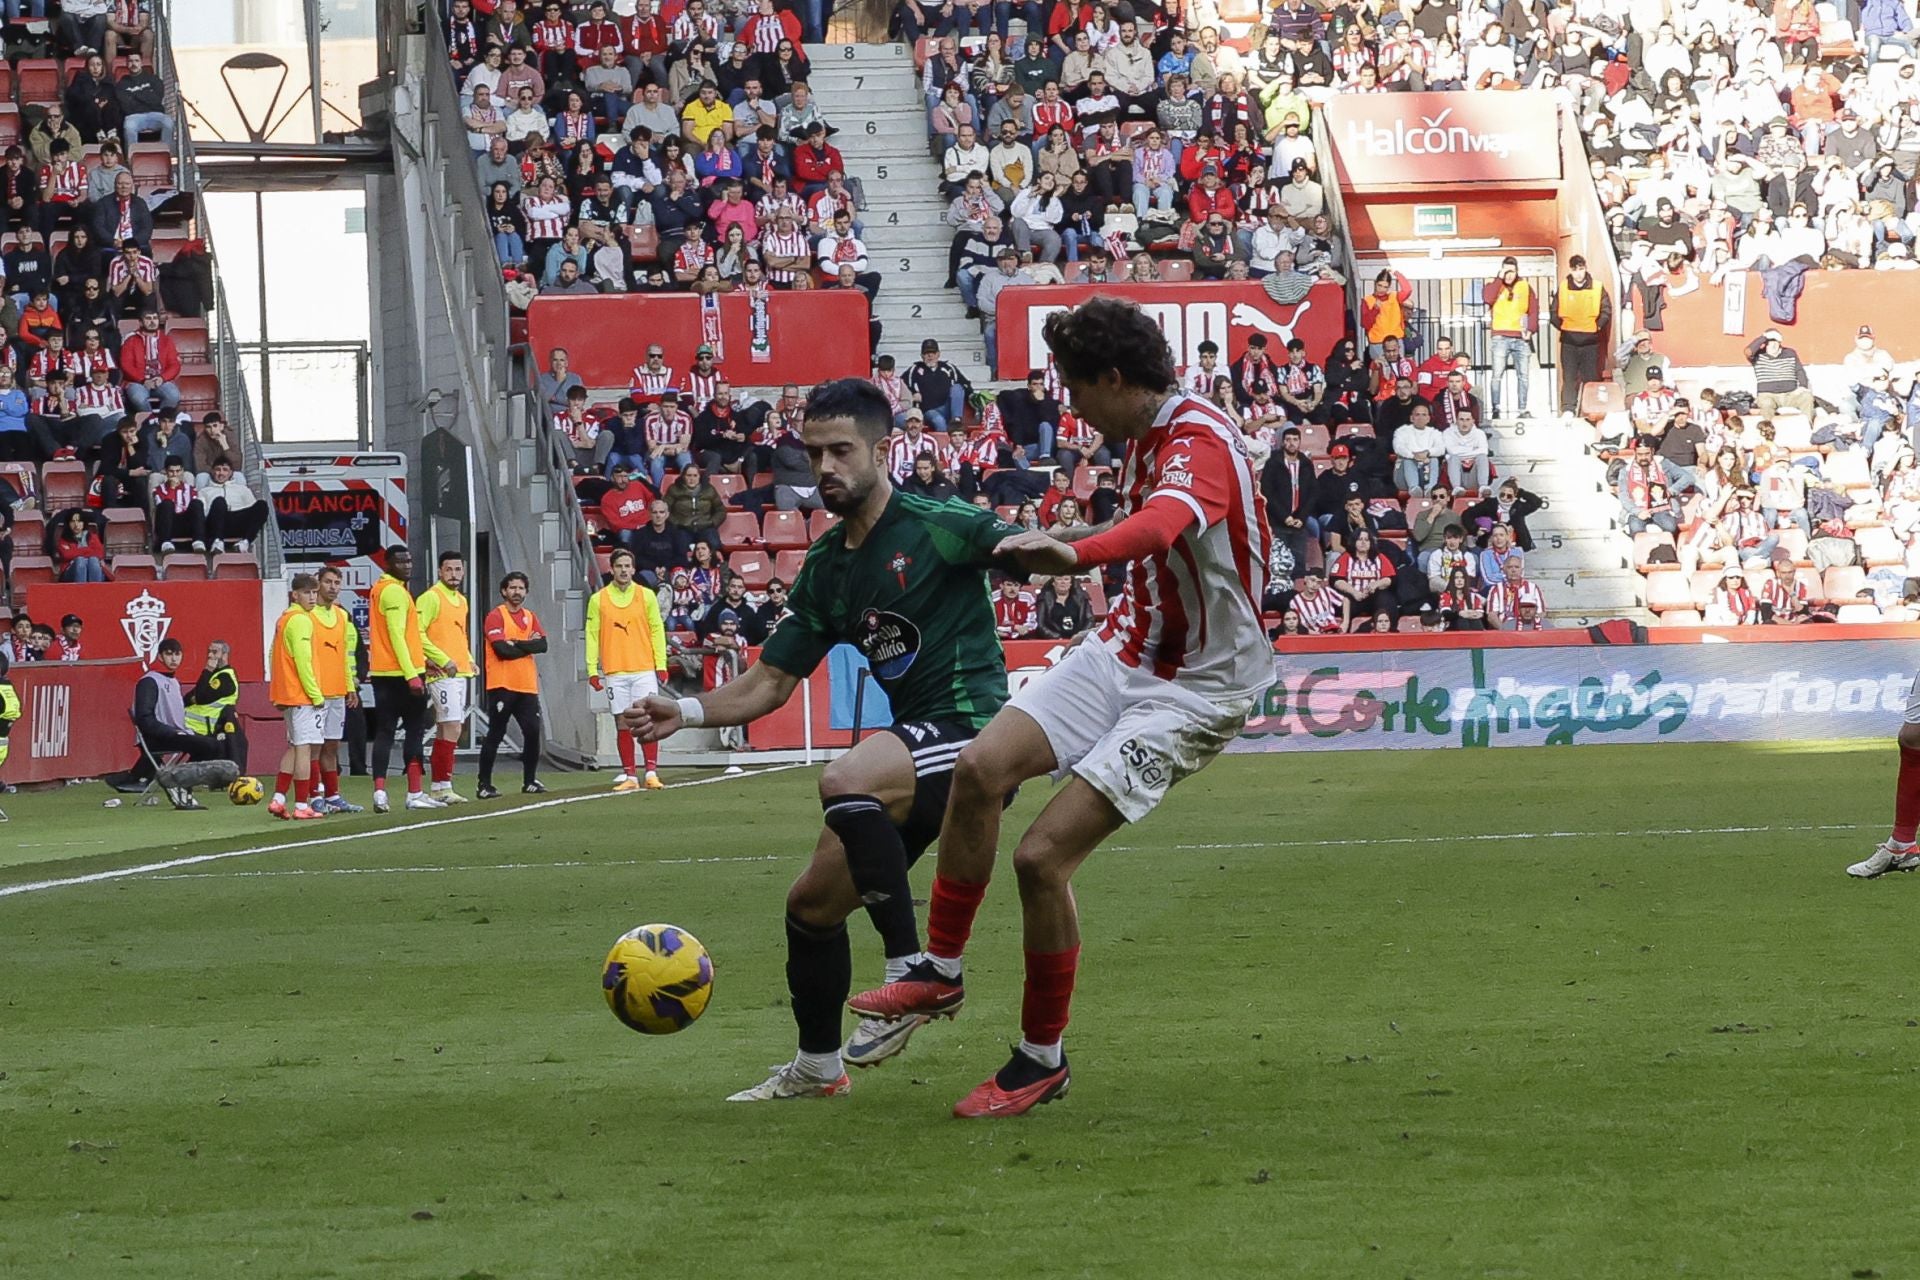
819	974
1897	851
416	717
335	731
388	694
526	714
865	796
647	684
289	760
623	690
500	712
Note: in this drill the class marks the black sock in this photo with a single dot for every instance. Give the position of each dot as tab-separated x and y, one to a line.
877	860
819	977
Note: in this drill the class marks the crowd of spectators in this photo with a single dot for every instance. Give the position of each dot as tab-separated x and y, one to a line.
1774	502
672	151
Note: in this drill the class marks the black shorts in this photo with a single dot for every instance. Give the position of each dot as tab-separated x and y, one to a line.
935	746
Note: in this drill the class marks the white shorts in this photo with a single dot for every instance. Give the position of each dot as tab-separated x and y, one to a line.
628	688
1913	703
1128	733
306	726
335	719
449	697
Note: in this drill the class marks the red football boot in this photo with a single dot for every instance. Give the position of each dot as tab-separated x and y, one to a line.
278	808
924	992
1015	1089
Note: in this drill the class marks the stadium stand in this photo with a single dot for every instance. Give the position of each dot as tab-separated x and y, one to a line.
1128	143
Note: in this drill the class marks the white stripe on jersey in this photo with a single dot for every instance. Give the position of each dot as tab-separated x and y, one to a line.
1192	614
903	449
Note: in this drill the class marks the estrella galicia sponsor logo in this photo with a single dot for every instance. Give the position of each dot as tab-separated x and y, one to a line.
889	643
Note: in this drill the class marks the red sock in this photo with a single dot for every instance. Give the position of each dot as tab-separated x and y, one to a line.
302	791
1043	1010
625	742
442	760
1906	796
331	781
380	782
413	778
650	753
950	915
313	777
281	781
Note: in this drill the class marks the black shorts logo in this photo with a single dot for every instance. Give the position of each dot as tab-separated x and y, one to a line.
889	643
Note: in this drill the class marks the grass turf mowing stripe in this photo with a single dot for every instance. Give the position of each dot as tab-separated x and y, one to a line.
169	864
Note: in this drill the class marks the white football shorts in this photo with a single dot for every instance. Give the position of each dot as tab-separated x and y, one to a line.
1130	735
306	726
449	696
629	687
334	721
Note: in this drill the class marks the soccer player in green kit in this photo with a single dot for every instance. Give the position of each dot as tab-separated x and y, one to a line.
902	579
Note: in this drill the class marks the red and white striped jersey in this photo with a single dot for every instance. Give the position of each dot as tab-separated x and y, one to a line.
646	382
903	449
1075	432
792	245
1198	379
1789	599
1319	612
1192	613
1013	618
668	428
546	219
97	398
44	362
702	387
142	271
1505	598
86	362
582	431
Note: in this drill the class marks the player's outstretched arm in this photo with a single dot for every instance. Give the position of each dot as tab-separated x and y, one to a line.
763	689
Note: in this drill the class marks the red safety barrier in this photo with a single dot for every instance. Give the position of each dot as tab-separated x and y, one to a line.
811	336
130	619
1222	312
75	720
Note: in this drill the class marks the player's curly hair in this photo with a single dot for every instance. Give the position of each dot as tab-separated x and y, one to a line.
855	398
1109	333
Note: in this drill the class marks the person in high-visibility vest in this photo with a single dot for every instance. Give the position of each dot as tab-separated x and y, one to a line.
443	632
627	656
396	673
293	688
1513	317
513	635
336	643
9	713
1583	314
213	704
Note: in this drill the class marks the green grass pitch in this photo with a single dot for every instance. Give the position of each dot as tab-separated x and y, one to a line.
1321	1031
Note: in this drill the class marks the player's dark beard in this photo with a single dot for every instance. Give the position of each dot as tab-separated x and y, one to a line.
843	498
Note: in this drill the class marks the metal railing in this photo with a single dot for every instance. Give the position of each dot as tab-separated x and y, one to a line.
1335	197
235	401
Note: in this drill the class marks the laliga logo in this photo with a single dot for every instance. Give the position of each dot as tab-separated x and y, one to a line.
146	625
1431	137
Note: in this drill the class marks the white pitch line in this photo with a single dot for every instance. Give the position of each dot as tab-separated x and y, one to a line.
490	866
413	828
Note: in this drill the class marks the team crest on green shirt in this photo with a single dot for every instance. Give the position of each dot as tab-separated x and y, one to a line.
900	563
888	641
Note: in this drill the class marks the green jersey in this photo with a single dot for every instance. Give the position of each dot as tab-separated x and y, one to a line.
913	599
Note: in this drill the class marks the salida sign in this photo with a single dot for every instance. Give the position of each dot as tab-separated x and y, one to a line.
1225	313
1398	139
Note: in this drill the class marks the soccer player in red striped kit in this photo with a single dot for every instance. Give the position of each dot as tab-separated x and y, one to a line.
1153	696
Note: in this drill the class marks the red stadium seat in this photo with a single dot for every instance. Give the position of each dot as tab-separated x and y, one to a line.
787	564
739	531
1843	583
1810	579
189	338
1073	272
39	80
64	484
754	566
819	522
1314	439
135	568
11	130
1644	543
29	571
1669	591
785	530
1681	618
22	477
1175	270
730	486
1880	546
29	530
230	567
185	567
126	530
152	166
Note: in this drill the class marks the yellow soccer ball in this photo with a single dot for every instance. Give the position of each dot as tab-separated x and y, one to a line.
246	791
657	979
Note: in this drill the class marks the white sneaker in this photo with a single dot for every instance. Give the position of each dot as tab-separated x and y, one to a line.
787	1081
380	800
199	545
421	800
447	795
877	1039
1888	857
242	545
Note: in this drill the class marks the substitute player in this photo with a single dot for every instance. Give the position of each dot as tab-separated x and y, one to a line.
1898	852
1167	681
295	689
900	578
396	670
9	714
513	636
627	656
336	646
449	653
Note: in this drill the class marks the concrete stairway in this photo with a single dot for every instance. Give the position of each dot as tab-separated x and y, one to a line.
1581	559
869	93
